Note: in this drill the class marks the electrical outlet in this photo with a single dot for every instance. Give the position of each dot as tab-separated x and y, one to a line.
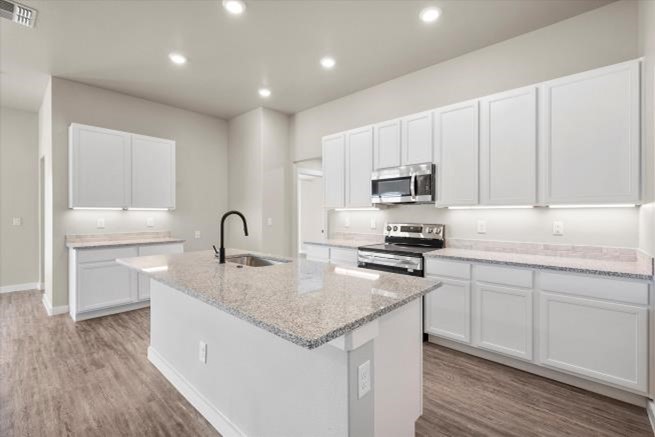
346	220
363	379
100	223
373	223
16	221
202	352
269	221
558	227
150	222
482	226
197	234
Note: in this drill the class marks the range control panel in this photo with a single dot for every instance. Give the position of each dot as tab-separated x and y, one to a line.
415	230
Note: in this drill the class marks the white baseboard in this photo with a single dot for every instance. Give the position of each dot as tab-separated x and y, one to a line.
53	311
651	413
217	419
21	287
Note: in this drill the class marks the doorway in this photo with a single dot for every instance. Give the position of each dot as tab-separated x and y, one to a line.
311	215
42	222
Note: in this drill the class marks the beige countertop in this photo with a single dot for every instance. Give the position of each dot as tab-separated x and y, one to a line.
121	239
308	303
640	268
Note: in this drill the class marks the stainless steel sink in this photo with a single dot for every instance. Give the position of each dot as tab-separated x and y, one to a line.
254	261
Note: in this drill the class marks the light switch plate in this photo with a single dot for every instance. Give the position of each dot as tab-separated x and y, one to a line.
100	223
16	221
482	226
558	227
150	222
373	223
363	379
269	221
202	352
346	220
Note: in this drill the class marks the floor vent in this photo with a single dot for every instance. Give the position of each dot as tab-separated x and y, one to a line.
17	13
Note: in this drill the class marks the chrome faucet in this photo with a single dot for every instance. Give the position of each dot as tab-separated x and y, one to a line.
221	253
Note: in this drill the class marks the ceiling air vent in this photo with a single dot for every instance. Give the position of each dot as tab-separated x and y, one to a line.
17	13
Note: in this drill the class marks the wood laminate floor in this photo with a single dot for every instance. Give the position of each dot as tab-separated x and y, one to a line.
92	378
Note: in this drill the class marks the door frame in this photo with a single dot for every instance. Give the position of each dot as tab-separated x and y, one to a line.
303	173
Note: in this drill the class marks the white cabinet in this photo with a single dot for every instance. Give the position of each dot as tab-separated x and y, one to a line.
503	319
99	167
153	172
448	310
343	256
334	149
590	136
387	144
154	249
457	141
417	143
99	286
603	340
359	166
508	148
318	253
114	169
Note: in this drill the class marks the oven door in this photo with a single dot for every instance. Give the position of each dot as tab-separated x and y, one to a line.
407	184
405	265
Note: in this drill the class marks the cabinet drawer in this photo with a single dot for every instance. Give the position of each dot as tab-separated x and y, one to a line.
453	269
161	249
343	256
601	288
317	253
106	254
504	275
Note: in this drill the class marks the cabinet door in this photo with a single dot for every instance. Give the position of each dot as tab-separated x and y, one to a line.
456	131
333	170
153	172
503	320
99	162
590	136
387	145
154	249
359	163
417	143
508	148
602	340
317	253
448	310
103	284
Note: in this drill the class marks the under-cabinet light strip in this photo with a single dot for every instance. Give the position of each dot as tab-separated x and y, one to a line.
615	205
492	207
357	209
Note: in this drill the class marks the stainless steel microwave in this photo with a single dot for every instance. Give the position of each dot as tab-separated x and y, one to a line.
406	184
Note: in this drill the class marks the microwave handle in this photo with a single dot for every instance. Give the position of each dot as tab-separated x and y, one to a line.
412	186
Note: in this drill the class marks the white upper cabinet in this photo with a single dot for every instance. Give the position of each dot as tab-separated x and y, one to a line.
457	140
590	136
508	148
387	145
99	163
359	165
334	170
153	172
417	143
114	169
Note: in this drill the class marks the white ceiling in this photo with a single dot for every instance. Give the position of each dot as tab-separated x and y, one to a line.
123	46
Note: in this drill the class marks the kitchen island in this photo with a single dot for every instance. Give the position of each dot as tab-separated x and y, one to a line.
294	348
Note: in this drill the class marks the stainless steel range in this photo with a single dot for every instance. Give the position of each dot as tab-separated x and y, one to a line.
403	248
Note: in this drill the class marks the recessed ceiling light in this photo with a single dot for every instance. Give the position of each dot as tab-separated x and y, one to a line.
234	7
328	62
177	58
264	92
430	15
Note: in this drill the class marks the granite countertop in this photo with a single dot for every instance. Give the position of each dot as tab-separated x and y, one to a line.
345	244
308	303
122	239
640	268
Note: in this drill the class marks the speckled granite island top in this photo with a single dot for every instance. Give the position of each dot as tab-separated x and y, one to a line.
308	303
640	268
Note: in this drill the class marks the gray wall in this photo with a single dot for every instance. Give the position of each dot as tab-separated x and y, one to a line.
597	38
19	245
201	169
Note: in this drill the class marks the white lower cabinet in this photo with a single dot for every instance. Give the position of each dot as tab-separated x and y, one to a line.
448	310
99	286
603	340
503	320
588	326
336	255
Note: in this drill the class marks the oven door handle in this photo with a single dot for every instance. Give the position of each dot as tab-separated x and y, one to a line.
389	262
412	186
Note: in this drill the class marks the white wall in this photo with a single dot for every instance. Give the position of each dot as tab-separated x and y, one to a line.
597	38
647	50
201	169
19	149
